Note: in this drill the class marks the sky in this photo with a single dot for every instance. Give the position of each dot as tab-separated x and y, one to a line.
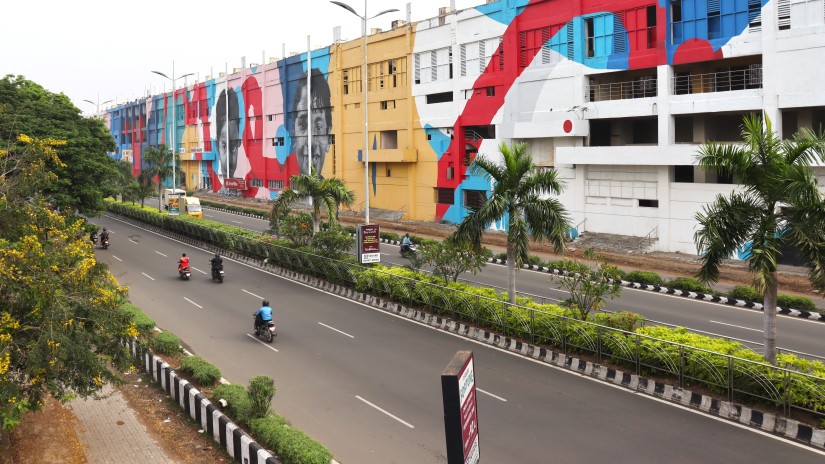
100	50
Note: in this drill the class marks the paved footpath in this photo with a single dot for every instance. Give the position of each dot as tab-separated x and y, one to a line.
111	433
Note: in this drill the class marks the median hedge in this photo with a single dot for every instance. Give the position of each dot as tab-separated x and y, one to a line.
658	350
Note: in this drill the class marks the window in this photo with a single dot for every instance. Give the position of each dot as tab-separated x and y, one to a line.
474	198
649	203
537	45
269	117
475	56
450	173
683	174
389	171
589	33
388	105
433	65
278	142
389	140
490	91
445	196
345	77
275	184
442	97
256	183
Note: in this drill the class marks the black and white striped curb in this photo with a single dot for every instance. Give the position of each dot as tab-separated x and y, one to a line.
814	316
754	418
238	444
239	213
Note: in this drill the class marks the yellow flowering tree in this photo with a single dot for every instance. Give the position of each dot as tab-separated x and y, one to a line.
60	322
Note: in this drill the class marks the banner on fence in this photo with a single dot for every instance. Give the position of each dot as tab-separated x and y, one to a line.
369	244
458	391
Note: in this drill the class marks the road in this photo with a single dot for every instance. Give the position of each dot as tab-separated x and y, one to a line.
795	334
366	383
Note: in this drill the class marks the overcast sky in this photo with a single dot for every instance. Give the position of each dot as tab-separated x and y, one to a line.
85	47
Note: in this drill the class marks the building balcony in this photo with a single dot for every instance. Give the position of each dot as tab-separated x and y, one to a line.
729	80
638	88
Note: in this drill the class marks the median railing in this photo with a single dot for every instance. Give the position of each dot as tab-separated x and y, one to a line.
724	367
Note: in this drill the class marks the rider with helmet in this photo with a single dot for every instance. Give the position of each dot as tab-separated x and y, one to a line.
263	315
217	262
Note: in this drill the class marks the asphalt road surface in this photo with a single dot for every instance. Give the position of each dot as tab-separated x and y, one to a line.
367	384
794	334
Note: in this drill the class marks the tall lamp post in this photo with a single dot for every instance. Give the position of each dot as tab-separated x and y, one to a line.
97	105
365	85
174	119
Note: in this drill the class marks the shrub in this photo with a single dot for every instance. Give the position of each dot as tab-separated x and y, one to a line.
390	236
744	292
144	324
796	302
623	320
332	242
688	284
644	277
261	389
534	260
202	372
238	400
290	444
502	256
297	228
350	229
166	343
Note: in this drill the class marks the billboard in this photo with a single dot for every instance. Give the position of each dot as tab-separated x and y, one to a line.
173	204
368	249
235	184
458	390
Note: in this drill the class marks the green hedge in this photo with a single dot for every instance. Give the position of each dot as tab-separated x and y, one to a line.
166	343
645	277
144	324
796	302
237	399
201	371
688	284
235	208
744	292
290	444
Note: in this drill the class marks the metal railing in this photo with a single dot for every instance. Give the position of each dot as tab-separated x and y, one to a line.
731	376
723	81
640	88
648	239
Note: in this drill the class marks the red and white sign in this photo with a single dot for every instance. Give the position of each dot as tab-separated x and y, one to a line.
235	184
369	244
469	418
458	391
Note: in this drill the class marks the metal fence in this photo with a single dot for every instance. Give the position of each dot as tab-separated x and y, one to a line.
731	376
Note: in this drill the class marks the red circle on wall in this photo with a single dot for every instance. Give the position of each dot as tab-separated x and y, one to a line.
568	126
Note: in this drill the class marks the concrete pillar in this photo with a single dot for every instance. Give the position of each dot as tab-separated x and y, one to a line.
667	129
770	66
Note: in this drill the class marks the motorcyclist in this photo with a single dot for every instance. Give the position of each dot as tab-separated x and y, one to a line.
263	315
93	236
104	236
405	243
217	262
183	262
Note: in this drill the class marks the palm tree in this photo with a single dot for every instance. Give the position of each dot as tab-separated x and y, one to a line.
326	194
517	198
777	203
159	164
143	186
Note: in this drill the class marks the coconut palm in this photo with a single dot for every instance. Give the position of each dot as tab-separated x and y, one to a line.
159	163
326	194
519	188
143	186
777	203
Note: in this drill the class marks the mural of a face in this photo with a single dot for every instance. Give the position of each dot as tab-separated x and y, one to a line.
319	122
227	149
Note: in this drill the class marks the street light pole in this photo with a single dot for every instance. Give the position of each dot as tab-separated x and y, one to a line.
174	118
365	86
97	105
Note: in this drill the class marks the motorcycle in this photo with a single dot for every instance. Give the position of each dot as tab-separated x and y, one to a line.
407	250
104	242
184	273
217	274
267	331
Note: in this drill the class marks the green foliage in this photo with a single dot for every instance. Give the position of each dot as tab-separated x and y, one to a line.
450	259
201	371
645	277
166	343
290	444
277	214
261	389
423	241
237	399
795	302
159	162
144	324
622	320
297	228
327	195
333	242
501	256
534	260
745	293
688	284
390	236
588	287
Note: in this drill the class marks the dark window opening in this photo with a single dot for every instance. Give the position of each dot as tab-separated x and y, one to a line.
442	97
490	91
684	129
477	133
683	174
474	198
590	37
445	196
676	11
649	203
724	178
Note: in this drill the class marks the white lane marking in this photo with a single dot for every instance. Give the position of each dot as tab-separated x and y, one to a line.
737	326
147	275
237	222
187	299
156	251
202	272
385	412
132	241
209	215
262	343
256	296
519	356
113	256
490	394
333	328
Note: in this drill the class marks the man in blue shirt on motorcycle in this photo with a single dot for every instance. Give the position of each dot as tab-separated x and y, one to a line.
263	315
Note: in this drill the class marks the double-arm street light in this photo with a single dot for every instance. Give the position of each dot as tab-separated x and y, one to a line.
174	119
97	105
365	85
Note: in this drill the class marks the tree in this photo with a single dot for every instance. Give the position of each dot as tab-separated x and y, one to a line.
143	186
333	242
297	228
588	287
280	211
518	187
449	259
125	178
159	164
326	194
85	173
778	202
60	322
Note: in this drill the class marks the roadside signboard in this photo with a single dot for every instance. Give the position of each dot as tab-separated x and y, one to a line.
368	249
458	390
235	184
173	204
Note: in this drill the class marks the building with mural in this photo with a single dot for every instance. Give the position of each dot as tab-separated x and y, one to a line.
614	95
